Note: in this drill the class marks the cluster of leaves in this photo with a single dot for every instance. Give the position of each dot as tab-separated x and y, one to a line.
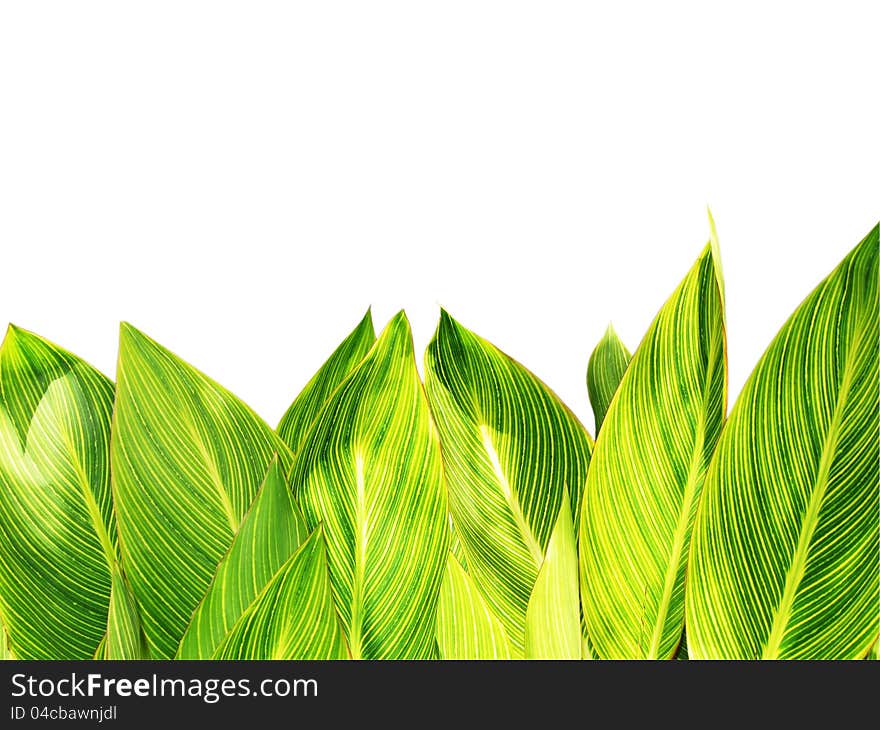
471	516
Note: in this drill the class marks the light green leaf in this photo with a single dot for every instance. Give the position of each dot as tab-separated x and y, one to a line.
305	408
5	650
370	470
293	617
125	637
271	531
455	546
784	561
466	626
607	365
188	458
647	473
510	448
553	618
57	533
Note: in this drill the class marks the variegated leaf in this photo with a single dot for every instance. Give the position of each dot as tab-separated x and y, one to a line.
293	616
510	449
370	471
784	562
188	458
272	529
57	532
605	369
306	406
466	626
647	473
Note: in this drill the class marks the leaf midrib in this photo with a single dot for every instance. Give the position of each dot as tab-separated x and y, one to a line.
798	565
533	546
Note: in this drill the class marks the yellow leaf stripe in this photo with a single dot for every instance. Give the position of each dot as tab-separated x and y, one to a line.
370	471
188	458
57	532
293	616
510	449
785	561
466	627
647	473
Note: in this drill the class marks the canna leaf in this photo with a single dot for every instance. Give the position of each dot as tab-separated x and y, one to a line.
188	458
466	627
784	561
553	618
510	448
455	546
293	617
269	534
5	651
370	471
57	532
299	417
647	473
125	637
605	369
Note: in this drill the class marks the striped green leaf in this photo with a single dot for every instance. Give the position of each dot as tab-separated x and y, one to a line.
553	618
455	545
510	448
293	616
125	637
370	470
604	371
647	473
188	458
270	532
784	561
305	408
466	627
5	651
57	533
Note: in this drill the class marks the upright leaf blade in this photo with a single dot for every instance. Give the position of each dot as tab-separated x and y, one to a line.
57	533
125	637
271	531
370	471
466	627
605	369
784	561
293	616
553	618
188	458
299	417
510	448
647	473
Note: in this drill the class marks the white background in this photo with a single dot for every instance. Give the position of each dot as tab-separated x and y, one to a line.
241	180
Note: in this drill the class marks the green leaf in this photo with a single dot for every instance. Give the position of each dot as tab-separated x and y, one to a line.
784	558
370	470
271	531
604	371
305	408
57	534
5	651
188	458
510	448
647	473
553	618
293	617
466	627
125	637
455	546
